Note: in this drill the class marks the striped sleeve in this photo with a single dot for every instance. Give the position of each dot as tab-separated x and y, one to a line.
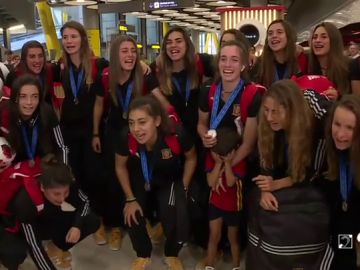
60	143
37	252
81	202
319	104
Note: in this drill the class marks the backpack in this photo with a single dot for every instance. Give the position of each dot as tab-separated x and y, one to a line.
12	179
246	97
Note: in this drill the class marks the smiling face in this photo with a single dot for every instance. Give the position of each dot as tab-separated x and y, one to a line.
275	114
127	55
276	36
71	41
28	100
230	63
143	126
56	195
342	128
175	46
35	60
320	42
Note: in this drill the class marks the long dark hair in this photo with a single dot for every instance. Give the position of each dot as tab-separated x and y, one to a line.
352	104
153	107
55	174
165	65
337	63
14	136
267	67
23	68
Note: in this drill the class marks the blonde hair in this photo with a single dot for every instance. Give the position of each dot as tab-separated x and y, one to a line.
115	69
299	132
165	63
85	51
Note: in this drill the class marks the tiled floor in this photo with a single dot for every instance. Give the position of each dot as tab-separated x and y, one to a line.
88	256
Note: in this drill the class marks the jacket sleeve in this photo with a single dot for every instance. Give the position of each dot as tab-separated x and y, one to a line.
81	202
37	252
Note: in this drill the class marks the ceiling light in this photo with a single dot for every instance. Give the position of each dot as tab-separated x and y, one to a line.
135	13
116	1
221	3
80	3
164	11
92	7
196	9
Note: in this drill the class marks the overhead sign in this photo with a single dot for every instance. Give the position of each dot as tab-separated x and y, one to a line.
151	5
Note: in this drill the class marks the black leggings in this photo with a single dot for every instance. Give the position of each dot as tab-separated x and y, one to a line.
13	249
173	218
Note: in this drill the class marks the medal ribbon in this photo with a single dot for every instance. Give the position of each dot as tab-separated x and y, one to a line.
215	117
30	149
128	94
75	86
178	88
346	178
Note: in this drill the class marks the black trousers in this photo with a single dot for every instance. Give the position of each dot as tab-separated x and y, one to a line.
13	249
55	228
114	199
87	166
173	217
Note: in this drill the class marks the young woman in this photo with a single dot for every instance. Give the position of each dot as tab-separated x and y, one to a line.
326	58
80	75
33	61
342	143
126	81
291	153
180	73
235	102
152	162
29	124
279	59
64	216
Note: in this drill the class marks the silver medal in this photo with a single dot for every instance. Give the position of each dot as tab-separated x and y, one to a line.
76	101
344	206
124	115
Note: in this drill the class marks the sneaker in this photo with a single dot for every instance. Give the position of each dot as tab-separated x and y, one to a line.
201	265
173	263
115	239
53	251
156	232
140	263
100	235
236	268
62	264
209	268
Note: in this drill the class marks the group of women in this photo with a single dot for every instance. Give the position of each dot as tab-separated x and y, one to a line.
152	148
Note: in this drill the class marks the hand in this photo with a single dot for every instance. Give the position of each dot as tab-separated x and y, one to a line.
130	210
96	144
332	94
145	67
269	202
264	182
217	158
73	235
208	140
229	157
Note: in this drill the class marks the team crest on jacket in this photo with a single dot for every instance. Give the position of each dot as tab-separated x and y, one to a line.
166	153
236	110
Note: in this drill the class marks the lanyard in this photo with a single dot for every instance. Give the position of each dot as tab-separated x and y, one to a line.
30	149
286	74
147	172
75	87
187	89
346	179
129	90
217	118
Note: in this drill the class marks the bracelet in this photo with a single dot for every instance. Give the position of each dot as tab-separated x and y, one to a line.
130	200
95	135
